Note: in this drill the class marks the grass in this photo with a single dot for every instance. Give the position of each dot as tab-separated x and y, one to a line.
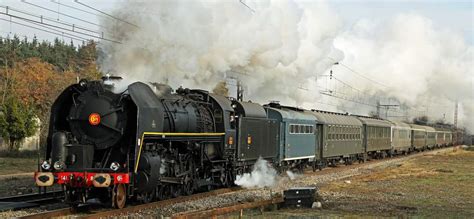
432	186
9	165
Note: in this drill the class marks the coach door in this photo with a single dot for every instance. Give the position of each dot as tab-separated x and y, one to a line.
319	141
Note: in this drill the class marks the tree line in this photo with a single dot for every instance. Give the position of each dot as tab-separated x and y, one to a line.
32	75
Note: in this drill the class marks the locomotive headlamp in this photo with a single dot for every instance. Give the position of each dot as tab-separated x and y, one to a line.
45	165
58	165
94	119
114	166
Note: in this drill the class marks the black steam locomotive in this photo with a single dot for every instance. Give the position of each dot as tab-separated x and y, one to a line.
148	143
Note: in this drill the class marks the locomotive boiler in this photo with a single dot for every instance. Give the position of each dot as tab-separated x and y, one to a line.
145	143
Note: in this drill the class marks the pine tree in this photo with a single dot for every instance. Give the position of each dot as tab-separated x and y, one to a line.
16	122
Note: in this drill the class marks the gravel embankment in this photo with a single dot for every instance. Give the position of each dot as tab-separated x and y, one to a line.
308	179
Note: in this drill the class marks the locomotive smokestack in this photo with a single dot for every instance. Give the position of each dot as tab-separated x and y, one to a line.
110	80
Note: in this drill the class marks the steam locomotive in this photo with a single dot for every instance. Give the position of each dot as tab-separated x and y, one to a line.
149	143
145	142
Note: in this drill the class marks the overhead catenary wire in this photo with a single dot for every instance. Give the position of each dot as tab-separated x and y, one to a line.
107	14
58	32
76	8
63	14
41	17
251	9
58	27
48	31
357	73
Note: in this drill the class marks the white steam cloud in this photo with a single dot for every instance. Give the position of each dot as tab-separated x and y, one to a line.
283	45
424	67
292	175
197	43
262	175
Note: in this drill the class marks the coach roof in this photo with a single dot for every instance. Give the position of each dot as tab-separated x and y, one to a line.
293	115
399	124
331	118
374	122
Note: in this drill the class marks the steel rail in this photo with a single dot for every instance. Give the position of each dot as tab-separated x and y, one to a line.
158	204
34	197
212	213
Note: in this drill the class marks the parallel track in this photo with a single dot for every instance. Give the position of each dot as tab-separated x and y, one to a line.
129	209
35	197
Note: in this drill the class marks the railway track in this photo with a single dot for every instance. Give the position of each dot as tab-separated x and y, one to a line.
374	161
101	213
87	212
34	197
30	200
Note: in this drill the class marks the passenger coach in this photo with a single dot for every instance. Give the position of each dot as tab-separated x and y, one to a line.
297	137
401	138
340	137
376	137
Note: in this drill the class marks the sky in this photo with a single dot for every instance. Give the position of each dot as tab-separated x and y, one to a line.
455	15
371	34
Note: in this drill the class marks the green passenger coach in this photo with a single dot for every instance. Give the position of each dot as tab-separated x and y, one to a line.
340	137
376	137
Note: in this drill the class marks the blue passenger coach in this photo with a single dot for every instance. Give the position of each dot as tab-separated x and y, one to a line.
298	139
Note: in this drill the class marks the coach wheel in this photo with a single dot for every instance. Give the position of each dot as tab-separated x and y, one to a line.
119	196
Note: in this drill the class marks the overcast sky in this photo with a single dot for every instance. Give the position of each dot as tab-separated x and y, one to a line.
453	15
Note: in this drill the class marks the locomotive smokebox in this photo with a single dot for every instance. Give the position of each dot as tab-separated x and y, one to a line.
98	116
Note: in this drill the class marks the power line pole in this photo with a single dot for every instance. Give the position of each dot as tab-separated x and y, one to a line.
455	114
240	91
386	106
